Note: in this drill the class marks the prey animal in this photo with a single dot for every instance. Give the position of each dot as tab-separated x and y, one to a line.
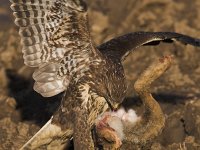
56	40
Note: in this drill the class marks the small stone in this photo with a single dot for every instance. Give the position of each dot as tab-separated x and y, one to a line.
11	102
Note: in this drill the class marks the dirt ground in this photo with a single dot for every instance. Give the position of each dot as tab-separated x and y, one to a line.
23	111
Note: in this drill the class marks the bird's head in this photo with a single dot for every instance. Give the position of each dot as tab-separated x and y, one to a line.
112	103
115	93
111	84
115	98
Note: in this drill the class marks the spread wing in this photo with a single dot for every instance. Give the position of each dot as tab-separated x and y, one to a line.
55	38
120	47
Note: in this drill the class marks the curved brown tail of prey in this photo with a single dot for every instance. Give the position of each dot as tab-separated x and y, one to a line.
120	47
153	119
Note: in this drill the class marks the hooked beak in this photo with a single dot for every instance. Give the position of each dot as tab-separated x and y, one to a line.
114	106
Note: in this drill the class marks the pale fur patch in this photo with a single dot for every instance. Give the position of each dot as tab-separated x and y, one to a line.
121	115
116	123
129	116
115	119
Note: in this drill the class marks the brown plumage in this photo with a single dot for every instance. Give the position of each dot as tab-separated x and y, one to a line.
56	40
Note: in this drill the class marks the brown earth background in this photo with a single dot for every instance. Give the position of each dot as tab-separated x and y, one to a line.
23	111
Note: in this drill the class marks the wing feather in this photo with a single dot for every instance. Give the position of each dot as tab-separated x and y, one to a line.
24	22
120	47
52	32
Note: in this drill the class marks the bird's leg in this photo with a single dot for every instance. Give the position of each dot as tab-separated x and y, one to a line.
84	118
82	132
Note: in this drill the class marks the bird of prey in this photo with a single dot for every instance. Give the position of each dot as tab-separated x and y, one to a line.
56	41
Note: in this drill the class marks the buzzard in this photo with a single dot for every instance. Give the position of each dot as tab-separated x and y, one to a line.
57	42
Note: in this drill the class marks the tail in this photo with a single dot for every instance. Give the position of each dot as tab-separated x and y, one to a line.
50	137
